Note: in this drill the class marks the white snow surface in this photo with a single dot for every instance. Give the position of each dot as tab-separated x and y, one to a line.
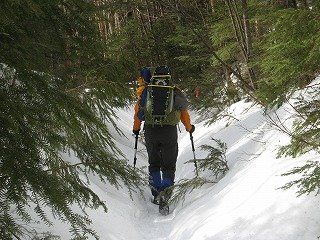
244	204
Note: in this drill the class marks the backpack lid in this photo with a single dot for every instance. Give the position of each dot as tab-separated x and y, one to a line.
162	70
161	77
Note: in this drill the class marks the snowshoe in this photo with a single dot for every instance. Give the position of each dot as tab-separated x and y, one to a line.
163	206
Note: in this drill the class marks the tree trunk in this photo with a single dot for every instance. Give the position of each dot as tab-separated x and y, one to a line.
236	27
243	35
249	49
212	5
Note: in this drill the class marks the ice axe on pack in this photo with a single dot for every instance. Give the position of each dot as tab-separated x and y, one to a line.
194	154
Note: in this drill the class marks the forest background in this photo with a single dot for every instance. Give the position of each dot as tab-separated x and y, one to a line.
66	65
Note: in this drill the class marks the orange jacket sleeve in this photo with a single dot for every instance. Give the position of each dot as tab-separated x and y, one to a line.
185	119
136	120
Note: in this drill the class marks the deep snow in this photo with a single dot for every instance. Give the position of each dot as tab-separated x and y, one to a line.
245	204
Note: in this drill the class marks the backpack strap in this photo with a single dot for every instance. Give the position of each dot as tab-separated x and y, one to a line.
161	76
164	86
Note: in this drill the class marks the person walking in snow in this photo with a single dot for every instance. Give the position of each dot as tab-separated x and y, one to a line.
161	135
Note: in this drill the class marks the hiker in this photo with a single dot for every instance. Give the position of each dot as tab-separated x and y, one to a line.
160	132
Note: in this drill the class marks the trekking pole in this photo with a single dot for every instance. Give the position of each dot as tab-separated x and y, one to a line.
135	152
194	154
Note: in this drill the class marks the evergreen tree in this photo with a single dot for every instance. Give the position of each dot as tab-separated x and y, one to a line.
59	88
66	65
192	54
287	61
207	45
215	164
289	54
305	138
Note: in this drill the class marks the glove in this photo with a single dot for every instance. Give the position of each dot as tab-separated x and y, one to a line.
192	129
136	132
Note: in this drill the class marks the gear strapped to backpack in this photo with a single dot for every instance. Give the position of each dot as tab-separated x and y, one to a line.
160	97
160	102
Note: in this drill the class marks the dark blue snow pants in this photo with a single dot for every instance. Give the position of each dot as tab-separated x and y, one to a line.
162	148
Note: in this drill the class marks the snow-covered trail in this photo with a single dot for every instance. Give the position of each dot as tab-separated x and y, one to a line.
245	204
